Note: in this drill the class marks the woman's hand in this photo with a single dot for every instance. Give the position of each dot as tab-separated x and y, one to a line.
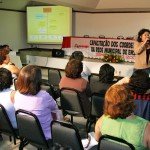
148	47
147	43
146	40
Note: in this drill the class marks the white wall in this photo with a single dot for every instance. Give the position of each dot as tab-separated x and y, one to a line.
110	24
13	29
13	26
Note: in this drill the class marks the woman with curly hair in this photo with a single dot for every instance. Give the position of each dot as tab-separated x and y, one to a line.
142	51
139	83
74	80
118	119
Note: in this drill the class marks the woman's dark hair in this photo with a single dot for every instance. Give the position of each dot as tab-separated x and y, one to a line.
78	55
140	33
5	79
139	82
29	80
6	48
106	73
73	69
2	56
119	102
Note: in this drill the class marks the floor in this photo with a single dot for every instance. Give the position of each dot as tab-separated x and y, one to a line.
7	145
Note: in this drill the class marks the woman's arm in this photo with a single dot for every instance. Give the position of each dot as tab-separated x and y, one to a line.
97	129
124	80
139	47
13	69
7	60
146	136
51	103
12	96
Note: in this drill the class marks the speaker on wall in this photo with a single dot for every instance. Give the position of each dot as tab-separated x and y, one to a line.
58	53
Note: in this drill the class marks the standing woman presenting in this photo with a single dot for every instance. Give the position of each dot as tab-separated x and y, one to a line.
142	51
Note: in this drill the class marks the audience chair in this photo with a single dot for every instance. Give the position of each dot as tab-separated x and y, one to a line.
54	77
66	134
44	72
71	102
30	130
107	142
15	83
93	78
97	102
142	108
6	126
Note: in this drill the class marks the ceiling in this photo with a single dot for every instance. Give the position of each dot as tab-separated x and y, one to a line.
82	5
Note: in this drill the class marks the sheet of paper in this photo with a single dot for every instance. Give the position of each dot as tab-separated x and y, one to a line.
90	142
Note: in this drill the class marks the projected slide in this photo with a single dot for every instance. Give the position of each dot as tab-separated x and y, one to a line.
48	24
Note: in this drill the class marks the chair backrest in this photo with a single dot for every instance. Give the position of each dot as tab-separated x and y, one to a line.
29	128
107	142
97	102
142	108
66	134
15	83
71	102
97	105
54	77
93	78
5	124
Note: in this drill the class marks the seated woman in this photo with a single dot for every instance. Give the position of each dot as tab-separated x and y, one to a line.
139	83
5	95
73	80
6	50
78	55
5	63
30	97
118	119
106	77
